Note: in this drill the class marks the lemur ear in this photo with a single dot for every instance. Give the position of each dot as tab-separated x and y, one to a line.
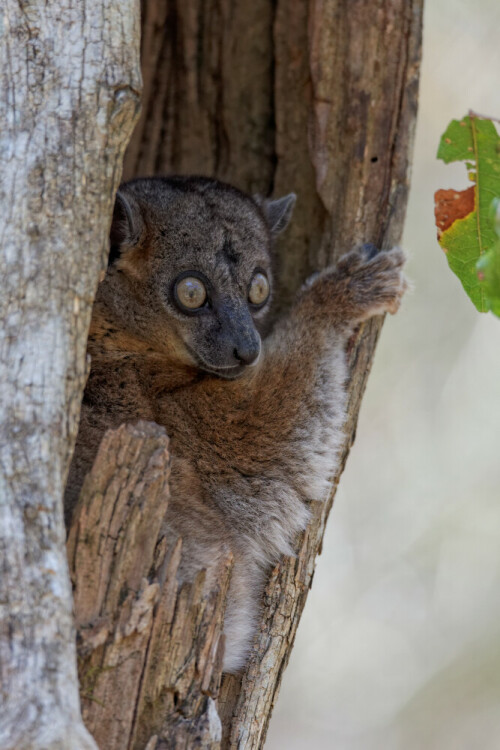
126	226
278	212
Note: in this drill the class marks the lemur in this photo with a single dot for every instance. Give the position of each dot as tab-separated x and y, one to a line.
179	335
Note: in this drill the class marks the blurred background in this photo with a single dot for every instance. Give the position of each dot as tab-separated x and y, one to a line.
399	645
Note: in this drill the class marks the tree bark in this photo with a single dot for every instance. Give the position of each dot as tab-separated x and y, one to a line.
162	642
317	97
69	97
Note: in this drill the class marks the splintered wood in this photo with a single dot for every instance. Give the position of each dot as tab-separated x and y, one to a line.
149	654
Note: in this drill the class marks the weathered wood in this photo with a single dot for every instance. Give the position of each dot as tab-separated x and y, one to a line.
162	642
363	109
69	97
208	91
317	97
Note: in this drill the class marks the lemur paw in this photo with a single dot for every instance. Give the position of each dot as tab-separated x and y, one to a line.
364	283
374	281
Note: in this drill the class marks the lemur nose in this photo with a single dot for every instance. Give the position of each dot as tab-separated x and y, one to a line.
247	355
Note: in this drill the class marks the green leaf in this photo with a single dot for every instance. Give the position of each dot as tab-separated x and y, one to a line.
467	232
457	143
488	266
495	215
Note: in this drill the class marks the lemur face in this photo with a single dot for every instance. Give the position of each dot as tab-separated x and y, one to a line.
198	256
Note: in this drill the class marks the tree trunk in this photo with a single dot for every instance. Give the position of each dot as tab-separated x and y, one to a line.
69	97
317	97
162	643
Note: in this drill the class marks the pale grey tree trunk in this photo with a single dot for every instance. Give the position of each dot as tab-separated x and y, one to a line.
69	96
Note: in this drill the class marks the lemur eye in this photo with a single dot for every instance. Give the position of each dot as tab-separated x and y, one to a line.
191	292
259	289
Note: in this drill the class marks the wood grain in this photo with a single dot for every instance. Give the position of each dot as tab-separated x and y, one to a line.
317	97
69	97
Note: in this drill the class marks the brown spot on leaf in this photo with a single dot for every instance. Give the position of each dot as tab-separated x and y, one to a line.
450	205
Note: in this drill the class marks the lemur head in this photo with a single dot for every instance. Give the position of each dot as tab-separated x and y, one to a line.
190	270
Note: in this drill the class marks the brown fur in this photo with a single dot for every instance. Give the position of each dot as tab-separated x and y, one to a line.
249	449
